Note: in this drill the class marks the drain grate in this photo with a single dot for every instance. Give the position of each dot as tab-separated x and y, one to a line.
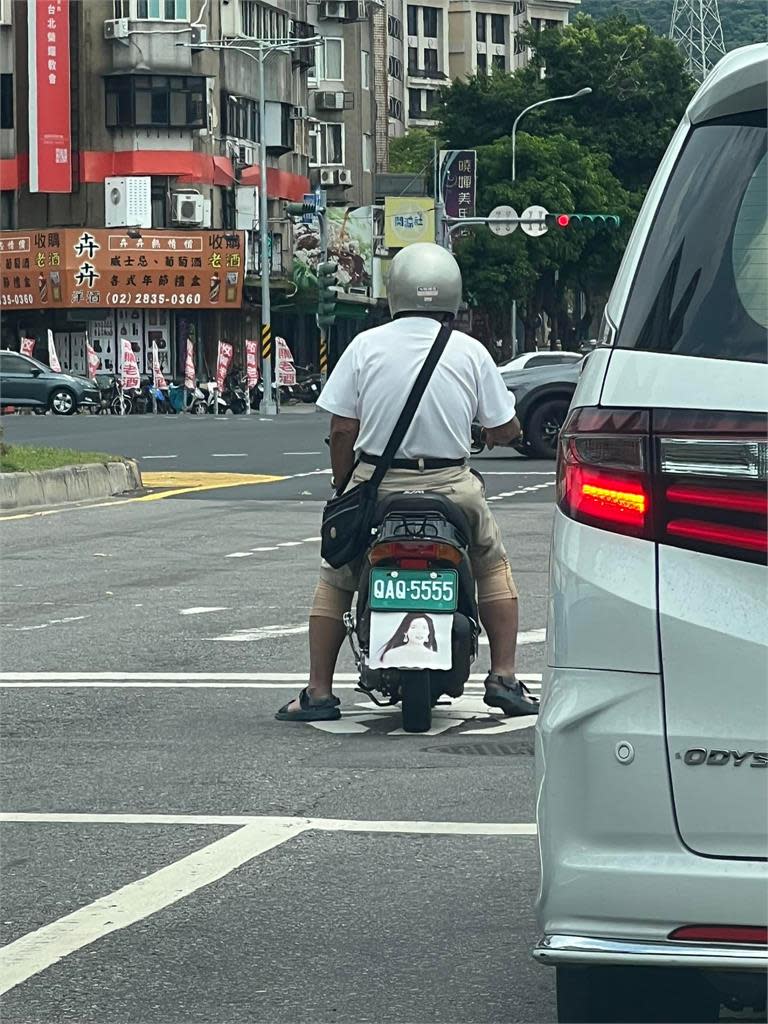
485	748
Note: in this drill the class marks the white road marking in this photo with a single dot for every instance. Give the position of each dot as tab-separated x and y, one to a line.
51	622
290	543
521	490
302	453
229	455
239	554
260	633
273	548
158	457
194	677
528	636
37	950
202	610
89	684
517	472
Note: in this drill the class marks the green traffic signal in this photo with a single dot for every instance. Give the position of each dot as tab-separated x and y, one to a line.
564	220
326	296
294	209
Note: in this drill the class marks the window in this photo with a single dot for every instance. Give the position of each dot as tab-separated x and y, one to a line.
395	68
415	103
430	21
395	108
165	10
413	20
499	62
482	64
700	284
480	28
430	63
498	34
12	363
260	22
155	101
6	101
367	152
413	60
240	117
365	70
158	197
394	27
329	61
326	145
519	43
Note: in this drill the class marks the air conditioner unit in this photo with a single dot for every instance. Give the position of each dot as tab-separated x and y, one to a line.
333	10
188	208
345	177
298	113
207	213
128	202
116	29
231	19
246	155
199	34
327	176
329	100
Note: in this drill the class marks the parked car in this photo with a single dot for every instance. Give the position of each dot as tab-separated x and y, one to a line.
26	382
542	395
651	746
546	357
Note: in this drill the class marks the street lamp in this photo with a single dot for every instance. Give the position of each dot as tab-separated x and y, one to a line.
533	106
258	50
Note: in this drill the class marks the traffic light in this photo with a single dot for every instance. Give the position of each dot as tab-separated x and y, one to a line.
304	209
564	220
326	296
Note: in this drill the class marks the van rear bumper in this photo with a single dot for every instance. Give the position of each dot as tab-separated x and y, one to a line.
586	949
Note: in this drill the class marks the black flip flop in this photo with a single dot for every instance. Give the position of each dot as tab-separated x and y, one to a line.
513	697
325	710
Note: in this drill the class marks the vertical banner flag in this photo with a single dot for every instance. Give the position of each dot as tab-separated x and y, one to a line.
286	371
50	120
252	362
158	380
129	371
226	351
27	346
458	181
53	359
189	367
92	358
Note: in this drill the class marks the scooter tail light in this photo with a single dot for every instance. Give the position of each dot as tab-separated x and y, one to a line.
414	550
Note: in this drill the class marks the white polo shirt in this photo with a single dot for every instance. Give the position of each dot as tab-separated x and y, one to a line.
373	378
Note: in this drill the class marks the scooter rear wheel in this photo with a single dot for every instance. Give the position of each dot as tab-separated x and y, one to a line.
416	701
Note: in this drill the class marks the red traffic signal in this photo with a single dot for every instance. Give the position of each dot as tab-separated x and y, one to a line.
563	220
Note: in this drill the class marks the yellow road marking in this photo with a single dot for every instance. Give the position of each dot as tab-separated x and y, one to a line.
175	482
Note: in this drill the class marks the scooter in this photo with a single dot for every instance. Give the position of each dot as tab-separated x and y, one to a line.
415	630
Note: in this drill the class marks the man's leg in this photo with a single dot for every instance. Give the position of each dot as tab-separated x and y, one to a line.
326	635
499	619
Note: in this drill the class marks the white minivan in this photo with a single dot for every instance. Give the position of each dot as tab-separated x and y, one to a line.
652	741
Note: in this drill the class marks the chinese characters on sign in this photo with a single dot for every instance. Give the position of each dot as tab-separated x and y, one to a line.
458	181
408	220
50	129
105	268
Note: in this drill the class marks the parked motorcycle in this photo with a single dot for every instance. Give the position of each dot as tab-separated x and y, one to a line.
415	629
237	394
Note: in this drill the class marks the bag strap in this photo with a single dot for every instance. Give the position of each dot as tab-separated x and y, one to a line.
412	403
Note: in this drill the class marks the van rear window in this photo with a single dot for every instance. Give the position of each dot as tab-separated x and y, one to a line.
701	287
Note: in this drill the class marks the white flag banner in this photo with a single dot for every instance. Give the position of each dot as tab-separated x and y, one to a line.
286	371
158	379
53	359
92	356
27	346
129	371
189	367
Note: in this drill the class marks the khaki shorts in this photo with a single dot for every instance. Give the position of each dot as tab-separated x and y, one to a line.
463	488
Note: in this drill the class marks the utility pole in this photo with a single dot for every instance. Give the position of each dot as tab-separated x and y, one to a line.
697	30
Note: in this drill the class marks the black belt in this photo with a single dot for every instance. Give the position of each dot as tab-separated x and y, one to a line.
417	464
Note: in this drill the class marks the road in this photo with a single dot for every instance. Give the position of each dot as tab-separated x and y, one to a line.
170	852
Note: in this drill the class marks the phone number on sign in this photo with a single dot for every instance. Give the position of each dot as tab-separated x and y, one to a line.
152	299
16	300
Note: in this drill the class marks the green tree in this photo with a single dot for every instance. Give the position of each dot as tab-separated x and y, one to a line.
413	153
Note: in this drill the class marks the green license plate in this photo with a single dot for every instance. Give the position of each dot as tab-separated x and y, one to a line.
403	590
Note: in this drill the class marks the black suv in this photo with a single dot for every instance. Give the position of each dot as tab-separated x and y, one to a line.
542	396
25	382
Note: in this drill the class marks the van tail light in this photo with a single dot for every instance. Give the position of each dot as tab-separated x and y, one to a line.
738	934
686	478
415	551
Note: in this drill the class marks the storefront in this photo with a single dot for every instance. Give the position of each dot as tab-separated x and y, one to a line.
104	286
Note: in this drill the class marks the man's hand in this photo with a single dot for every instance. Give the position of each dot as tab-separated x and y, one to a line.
503	435
343	436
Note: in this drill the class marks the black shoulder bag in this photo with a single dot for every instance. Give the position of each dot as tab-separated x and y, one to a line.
348	517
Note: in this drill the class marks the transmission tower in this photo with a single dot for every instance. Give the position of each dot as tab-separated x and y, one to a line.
698	32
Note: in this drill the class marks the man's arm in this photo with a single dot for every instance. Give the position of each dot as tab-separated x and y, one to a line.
344	433
505	434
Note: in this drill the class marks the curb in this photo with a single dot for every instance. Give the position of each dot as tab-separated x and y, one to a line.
68	484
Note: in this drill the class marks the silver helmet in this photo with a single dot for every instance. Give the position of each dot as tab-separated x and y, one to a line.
424	278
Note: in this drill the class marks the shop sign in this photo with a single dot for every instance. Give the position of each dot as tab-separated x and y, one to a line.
50	121
458	181
408	220
105	268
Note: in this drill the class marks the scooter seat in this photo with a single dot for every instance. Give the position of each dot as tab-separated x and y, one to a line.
418	504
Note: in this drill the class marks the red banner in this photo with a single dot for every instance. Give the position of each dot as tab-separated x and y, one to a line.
158	379
252	362
226	351
94	363
50	128
53	359
189	367
27	346
129	372
286	371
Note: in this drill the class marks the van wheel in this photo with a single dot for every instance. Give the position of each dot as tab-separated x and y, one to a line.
543	428
416	701
634	995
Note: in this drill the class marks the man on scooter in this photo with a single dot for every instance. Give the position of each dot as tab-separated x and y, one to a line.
364	395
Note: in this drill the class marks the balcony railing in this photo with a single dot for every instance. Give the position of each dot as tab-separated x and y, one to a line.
304	56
